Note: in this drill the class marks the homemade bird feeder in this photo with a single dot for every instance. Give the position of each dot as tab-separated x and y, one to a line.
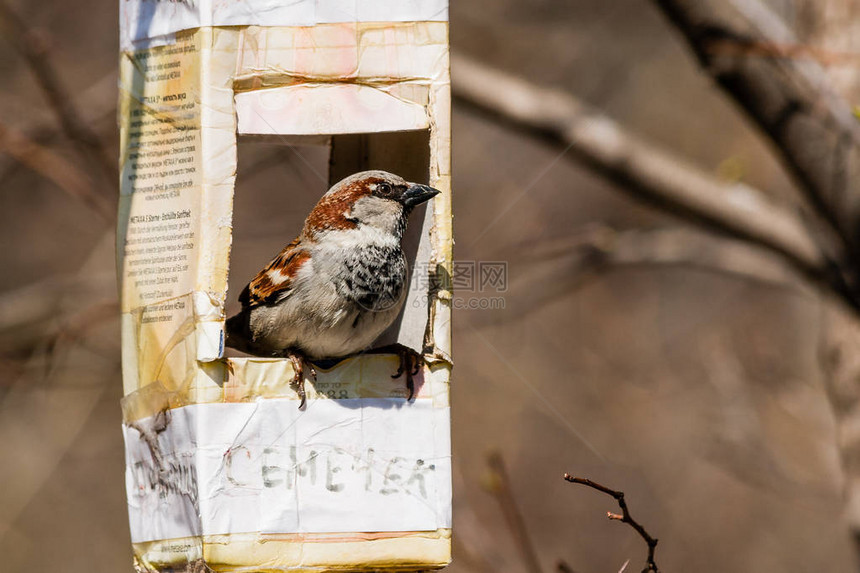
222	468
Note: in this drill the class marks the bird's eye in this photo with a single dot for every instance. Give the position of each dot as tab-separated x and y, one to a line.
383	188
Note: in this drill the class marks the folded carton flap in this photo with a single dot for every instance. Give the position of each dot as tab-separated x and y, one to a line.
311	109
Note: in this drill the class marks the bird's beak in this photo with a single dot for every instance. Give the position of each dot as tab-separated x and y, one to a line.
417	194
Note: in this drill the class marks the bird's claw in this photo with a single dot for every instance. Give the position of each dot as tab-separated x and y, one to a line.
300	362
410	365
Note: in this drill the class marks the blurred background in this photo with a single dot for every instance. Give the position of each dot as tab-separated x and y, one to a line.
693	384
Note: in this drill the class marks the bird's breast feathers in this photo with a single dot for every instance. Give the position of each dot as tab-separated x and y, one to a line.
331	297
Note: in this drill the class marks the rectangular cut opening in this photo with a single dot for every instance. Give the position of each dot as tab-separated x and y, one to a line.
278	116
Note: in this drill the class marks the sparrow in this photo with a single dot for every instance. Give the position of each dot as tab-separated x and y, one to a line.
333	290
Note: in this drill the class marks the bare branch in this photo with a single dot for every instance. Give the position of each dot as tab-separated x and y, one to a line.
752	48
839	339
624	517
669	247
501	488
33	45
32	314
97	105
55	168
556	267
76	325
790	99
641	168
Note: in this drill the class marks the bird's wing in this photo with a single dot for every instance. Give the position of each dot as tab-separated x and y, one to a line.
275	281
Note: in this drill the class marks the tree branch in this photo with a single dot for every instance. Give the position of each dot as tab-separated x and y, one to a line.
667	247
33	46
624	517
501	488
643	170
790	99
55	168
30	314
556	267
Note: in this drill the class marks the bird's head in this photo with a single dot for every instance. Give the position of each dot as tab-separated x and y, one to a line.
371	199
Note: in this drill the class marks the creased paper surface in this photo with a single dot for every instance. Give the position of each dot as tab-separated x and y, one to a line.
342	465
144	19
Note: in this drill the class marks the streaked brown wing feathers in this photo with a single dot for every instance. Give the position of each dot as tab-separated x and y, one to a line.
276	279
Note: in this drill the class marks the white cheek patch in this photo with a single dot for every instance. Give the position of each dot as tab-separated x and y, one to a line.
382	214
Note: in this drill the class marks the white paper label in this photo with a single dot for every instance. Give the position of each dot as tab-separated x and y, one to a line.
145	19
357	465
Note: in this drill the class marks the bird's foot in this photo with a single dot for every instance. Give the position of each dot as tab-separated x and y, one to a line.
410	364
300	362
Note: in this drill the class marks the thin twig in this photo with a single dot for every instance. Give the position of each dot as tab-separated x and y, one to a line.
54	167
75	327
677	247
795	51
624	517
467	556
33	45
29	314
501	488
562	265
